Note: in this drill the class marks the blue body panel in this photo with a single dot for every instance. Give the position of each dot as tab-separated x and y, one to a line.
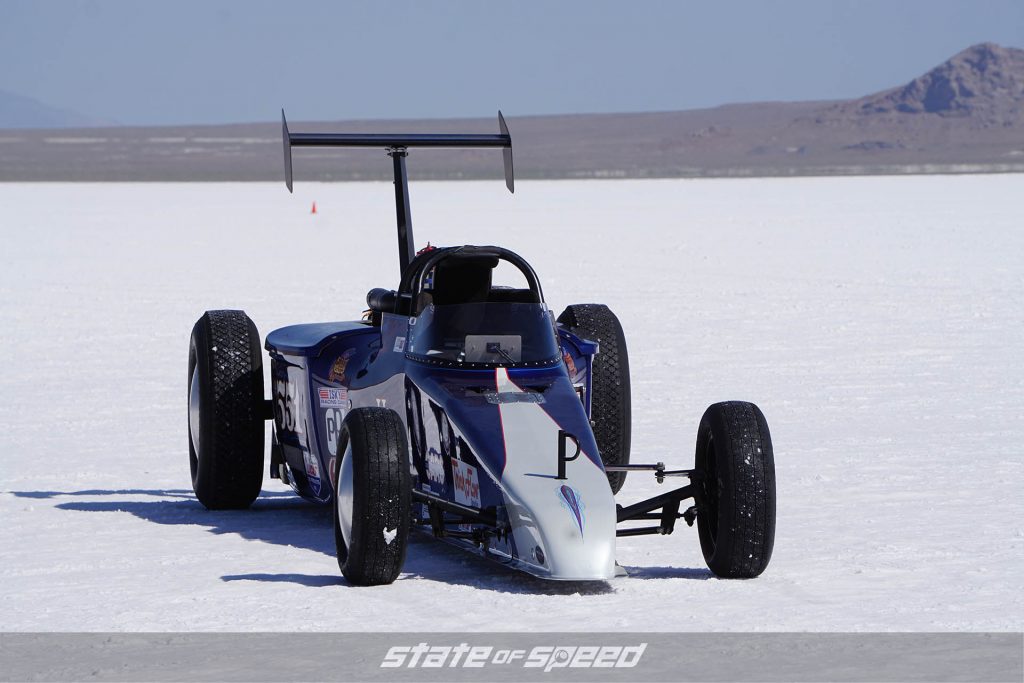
309	372
309	340
320	371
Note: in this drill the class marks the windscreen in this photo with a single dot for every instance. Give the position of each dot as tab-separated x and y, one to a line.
482	335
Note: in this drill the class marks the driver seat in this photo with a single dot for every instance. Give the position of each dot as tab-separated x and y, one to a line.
459	281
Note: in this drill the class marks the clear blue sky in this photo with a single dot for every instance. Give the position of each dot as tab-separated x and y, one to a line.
210	61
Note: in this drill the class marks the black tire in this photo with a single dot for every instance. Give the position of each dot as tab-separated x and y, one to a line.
225	365
373	441
610	403
736	467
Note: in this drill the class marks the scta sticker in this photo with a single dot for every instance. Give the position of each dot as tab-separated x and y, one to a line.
312	471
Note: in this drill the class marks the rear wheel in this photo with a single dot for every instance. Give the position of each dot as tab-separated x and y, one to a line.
736	472
372	497
610	393
225	422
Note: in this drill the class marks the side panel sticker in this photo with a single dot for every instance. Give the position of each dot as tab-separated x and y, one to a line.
467	485
337	373
333	398
435	467
312	471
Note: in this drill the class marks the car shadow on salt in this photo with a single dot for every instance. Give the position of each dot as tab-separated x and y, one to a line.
282	518
179	493
310	580
277	517
431	561
692	573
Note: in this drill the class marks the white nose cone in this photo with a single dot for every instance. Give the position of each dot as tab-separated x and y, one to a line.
563	529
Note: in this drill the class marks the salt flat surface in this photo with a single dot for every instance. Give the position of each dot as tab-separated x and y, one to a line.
878	322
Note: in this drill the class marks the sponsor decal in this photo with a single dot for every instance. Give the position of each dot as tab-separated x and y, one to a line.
333	398
467	485
399	344
545	657
435	466
572	502
312	471
337	373
332	420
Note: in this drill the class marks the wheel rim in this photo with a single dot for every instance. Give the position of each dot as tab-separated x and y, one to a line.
344	493
193	410
712	490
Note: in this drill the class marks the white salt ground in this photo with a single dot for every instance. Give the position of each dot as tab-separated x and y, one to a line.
878	322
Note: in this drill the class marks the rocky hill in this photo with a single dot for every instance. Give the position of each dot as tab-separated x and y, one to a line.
984	83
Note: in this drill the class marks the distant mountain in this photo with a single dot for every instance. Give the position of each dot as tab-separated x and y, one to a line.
984	82
18	111
964	116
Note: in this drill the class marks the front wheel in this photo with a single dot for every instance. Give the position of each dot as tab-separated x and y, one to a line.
736	473
372	497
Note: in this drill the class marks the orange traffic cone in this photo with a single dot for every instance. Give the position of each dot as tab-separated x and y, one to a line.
314	208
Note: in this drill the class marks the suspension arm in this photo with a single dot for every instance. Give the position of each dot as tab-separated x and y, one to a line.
636	510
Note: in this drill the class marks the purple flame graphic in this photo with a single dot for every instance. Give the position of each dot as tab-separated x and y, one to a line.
571	499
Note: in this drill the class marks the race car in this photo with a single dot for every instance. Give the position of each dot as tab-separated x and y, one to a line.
460	406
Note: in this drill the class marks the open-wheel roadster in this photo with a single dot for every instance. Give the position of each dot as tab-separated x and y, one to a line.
464	408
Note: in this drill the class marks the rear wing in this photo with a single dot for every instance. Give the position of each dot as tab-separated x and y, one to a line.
389	142
397	148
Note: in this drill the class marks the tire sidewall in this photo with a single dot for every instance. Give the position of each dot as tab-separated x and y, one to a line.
343	550
199	356
712	431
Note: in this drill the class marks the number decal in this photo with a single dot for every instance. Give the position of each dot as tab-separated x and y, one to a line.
290	406
333	418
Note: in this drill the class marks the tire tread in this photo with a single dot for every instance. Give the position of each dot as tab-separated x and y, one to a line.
382	497
746	510
231	473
